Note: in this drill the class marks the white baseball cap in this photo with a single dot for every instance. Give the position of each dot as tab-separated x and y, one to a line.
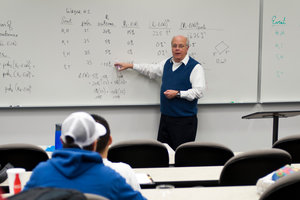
82	128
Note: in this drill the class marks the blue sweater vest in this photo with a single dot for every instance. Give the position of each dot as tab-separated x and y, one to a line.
177	80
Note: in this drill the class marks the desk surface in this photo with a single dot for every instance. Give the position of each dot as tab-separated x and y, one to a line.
161	174
178	176
182	176
196	193
185	176
271	114
192	174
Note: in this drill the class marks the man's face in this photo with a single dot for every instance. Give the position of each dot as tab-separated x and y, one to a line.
179	48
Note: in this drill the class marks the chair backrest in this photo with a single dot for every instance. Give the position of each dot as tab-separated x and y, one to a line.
90	196
290	144
202	154
48	193
283	188
22	155
246	168
140	153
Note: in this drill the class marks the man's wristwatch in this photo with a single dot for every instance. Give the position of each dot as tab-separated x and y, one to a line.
178	94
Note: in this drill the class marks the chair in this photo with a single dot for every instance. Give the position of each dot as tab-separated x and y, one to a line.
246	168
49	193
140	153
283	188
202	154
290	144
22	155
90	196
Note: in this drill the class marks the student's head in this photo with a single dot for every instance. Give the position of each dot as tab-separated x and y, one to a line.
105	139
79	130
180	45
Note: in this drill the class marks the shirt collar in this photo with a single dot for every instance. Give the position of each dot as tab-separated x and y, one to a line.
184	61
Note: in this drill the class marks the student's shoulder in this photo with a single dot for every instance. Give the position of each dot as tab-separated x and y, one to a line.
110	167
122	166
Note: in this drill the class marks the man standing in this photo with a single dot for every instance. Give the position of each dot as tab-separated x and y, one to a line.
183	83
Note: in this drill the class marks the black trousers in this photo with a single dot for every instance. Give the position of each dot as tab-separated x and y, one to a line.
177	130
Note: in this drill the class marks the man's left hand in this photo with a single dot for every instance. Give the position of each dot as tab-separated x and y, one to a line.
170	94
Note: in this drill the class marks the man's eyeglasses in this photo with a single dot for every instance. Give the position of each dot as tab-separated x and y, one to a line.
180	46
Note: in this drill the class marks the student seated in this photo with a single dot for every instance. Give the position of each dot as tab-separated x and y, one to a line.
77	166
103	144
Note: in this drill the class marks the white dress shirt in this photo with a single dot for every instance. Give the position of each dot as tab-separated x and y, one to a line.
125	171
197	77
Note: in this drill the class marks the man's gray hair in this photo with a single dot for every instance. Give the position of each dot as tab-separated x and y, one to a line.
187	40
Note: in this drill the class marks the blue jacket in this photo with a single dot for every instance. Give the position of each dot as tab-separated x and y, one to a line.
84	171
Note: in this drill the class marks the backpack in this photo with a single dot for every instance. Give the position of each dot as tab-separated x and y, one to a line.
48	193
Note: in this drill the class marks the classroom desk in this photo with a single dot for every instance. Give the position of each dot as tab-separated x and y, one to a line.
190	176
182	176
205	193
196	193
177	176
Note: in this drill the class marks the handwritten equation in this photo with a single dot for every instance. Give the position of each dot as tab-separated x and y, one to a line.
89	44
15	75
113	37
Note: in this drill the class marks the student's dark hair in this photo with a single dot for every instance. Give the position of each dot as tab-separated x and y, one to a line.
103	140
70	144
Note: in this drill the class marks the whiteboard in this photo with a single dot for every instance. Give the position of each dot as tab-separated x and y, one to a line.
280	81
61	52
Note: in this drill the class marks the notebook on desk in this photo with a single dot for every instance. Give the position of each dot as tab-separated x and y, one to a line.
144	178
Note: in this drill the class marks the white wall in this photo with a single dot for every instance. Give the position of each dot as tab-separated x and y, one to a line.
217	123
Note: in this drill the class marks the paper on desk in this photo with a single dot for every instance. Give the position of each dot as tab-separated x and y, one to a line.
144	178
